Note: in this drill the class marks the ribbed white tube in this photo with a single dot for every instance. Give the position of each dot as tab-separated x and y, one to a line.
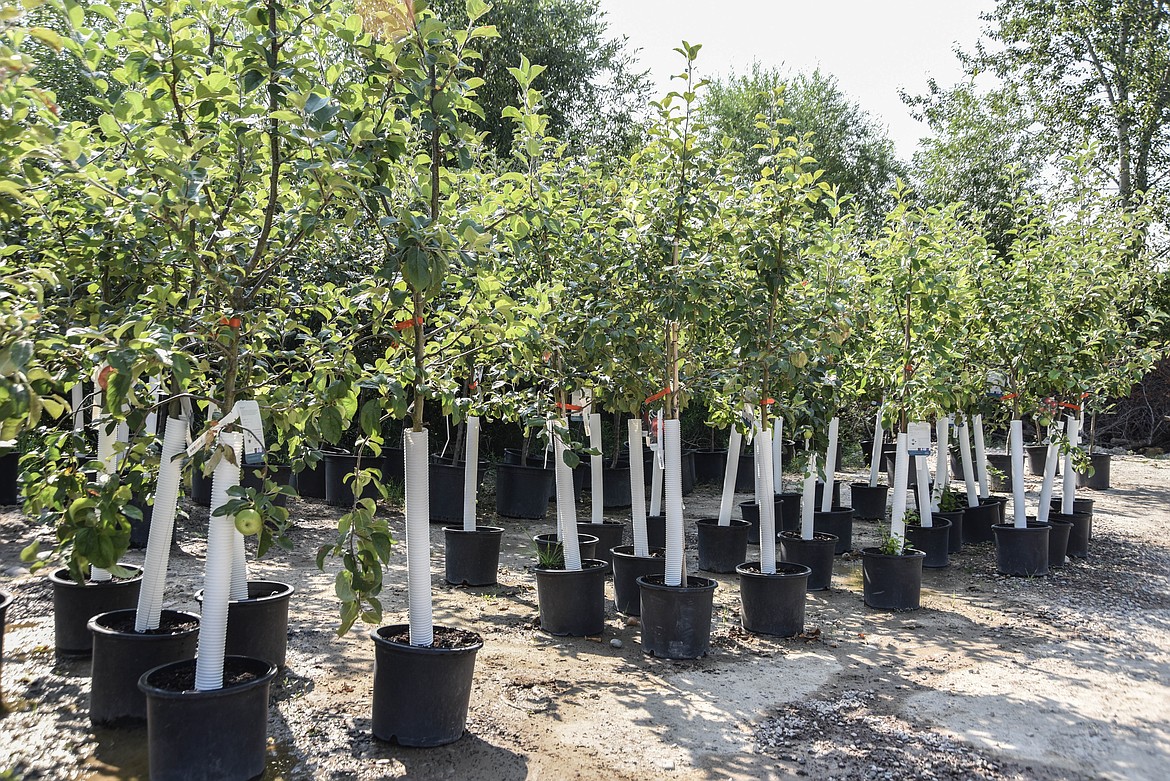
901	478
1019	512
777	454
924	501
1068	491
809	498
980	456
566	507
674	503
162	526
105	445
968	466
239	560
730	473
597	488
942	465
99	575
655	485
470	473
217	575
767	504
637	487
830	466
875	453
76	399
418	536
1050	463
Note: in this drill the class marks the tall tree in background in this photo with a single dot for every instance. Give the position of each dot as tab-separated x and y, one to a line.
854	150
594	93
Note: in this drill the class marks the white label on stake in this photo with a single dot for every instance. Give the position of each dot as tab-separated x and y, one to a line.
253	427
918	438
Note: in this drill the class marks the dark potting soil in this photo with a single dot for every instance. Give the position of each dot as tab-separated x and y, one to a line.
444	637
781	568
167	625
585	564
183	678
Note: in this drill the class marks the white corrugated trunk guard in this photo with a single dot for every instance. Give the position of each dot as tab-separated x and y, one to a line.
217	577
1051	460
730	474
1019	512
597	487
162	526
416	445
830	466
637	487
566	506
901	478
765	502
470	473
674	505
964	433
808	498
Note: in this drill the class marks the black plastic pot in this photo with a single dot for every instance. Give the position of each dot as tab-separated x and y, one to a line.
609	534
1022	552
710	466
1099	481
773	604
615	486
219	735
1037	455
676	620
548	545
1000	503
75	604
787	515
140	528
421	694
472	558
523	491
955	542
934	541
121	657
655	531
977	521
869	503
200	487
688	472
1079	505
1080	535
820	493
1058	541
258	625
745	474
310	481
839	523
339	466
816	554
572	602
957	467
9	471
393	466
627	568
891	458
892	582
281	474
5	601
446	484
1002	462
722	548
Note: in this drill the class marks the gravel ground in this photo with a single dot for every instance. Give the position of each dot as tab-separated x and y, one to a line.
1063	677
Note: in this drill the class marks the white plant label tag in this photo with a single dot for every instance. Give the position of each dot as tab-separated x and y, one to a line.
253	426
918	438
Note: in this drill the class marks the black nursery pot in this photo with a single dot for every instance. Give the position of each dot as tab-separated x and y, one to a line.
121	656
472	557
1037	456
219	735
1099	481
676	620
609	535
394	466
615	487
75	604
523	491
446	483
548	545
281	474
338	490
310	481
818	497
869	502
773	604
977	521
258	625
655	531
1003	463
1079	535
9	471
892	582
934	541
1058	540
572	602
1079	505
1022	552
710	466
787	515
839	523
816	554
421	693
745	474
627	568
200	487
955	544
722	548
140	528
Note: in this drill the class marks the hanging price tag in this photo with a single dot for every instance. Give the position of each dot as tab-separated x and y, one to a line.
918	438
253	427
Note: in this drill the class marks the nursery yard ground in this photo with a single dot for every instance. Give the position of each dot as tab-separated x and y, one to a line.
1062	677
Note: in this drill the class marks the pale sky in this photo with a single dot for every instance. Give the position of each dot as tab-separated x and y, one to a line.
873	47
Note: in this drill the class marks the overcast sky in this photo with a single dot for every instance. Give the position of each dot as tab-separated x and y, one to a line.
873	47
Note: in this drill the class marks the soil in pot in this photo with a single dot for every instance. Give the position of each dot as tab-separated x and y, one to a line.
609	535
1021	552
446	497
74	604
676	620
1099	480
551	551
1058	541
121	656
869	503
472	558
816	554
773	604
722	548
523	491
572	602
258	625
219	735
839	523
1079	535
627	568
892	581
934	541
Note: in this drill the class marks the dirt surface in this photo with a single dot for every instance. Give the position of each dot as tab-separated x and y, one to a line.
1066	676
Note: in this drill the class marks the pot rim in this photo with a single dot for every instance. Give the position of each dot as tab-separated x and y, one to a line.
617	551
377	636
702	584
606	522
484	530
501	465
907	553
937	523
95	626
285	590
866	486
819	538
837	510
262	679
1033	526
735	522
552	537
798	571
60	579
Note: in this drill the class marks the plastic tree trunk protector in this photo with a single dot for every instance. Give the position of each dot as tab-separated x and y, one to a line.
734	448
162	526
108	459
942	465
674	505
637	487
566	507
980	456
418	536
924	506
655	485
1069	490
218	573
76	400
968	471
901	477
597	488
809	498
766	503
470	473
1050	462
830	466
1019	512
875	453
777	454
